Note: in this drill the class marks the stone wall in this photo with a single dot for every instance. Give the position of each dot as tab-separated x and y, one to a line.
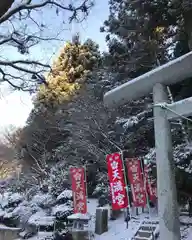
7	233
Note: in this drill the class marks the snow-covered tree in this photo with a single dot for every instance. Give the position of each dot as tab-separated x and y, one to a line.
141	35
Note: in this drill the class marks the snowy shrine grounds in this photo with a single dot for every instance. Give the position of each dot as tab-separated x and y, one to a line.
116	229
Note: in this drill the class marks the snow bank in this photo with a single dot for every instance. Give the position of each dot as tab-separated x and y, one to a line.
41	219
60	208
66	194
42	236
80	216
15	198
43	200
3	227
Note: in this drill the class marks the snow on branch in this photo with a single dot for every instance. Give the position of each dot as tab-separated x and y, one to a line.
19	69
182	154
22	28
27	5
128	123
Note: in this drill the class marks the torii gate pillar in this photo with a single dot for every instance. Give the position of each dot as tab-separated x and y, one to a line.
156	80
167	197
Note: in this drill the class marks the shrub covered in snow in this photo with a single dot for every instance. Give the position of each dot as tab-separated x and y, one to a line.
42	221
34	207
58	180
65	196
43	211
22	183
8	199
61	212
101	191
44	200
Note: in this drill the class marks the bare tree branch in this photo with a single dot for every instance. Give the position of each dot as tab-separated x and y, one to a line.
33	39
23	66
29	6
22	29
5	5
105	136
26	62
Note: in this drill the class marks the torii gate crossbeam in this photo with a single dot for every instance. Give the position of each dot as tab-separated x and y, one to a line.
156	81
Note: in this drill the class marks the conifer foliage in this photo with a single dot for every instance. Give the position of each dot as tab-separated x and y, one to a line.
136	35
69	71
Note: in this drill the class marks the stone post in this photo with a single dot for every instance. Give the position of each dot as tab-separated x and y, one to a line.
101	223
7	233
80	235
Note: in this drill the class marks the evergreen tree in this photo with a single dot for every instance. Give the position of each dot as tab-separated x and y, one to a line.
47	126
69	71
136	36
141	36
137	44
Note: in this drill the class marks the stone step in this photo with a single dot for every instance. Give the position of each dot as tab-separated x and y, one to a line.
141	230
183	209
143	234
184	214
150	222
135	220
140	238
146	229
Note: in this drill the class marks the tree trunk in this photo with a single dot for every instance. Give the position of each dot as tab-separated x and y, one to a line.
4	6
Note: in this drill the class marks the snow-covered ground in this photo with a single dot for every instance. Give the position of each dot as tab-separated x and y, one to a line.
41	236
117	229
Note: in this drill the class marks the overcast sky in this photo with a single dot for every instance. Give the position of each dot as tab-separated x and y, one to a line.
16	106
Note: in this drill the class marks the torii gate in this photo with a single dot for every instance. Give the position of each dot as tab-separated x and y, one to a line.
155	81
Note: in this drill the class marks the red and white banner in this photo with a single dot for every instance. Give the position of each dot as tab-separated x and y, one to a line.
153	192
79	189
136	182
146	178
150	185
116	180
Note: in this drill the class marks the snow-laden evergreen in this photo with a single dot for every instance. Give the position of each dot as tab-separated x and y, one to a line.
42	212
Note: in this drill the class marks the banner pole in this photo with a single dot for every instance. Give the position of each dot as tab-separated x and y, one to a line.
86	189
145	185
127	188
74	198
85	182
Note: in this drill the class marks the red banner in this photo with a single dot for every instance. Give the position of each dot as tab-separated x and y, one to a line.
146	178
79	189
153	192
116	180
136	182
150	185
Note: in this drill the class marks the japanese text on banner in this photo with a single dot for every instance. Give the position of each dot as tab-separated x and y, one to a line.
79	189
150	185
116	180
136	182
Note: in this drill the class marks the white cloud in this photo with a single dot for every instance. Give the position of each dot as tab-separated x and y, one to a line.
14	109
